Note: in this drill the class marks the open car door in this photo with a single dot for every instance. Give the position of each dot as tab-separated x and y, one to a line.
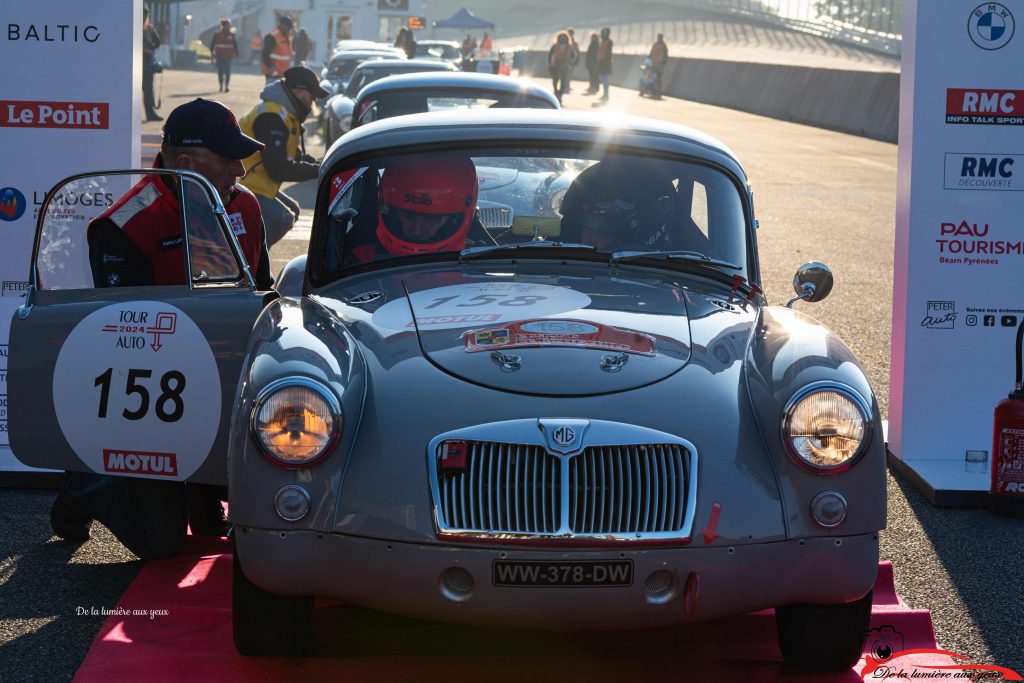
118	376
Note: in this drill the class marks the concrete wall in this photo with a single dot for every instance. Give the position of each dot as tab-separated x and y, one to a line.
860	102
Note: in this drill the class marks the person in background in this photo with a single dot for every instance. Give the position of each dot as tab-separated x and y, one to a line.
277	49
224	49
256	46
559	57
138	241
406	41
301	45
574	60
604	63
486	46
591	63
468	46
277	122
150	42
659	58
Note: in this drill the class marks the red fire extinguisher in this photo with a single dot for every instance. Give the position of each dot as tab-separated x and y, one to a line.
1006	495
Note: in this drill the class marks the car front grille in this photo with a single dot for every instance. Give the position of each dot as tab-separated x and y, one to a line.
603	491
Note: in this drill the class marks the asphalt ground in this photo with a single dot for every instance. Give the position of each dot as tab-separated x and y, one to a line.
819	195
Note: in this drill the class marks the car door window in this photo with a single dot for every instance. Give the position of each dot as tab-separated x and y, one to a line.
126	229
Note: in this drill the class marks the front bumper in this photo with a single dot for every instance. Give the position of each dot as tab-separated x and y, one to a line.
415	580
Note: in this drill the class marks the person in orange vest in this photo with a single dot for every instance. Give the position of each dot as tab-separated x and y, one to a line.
277	49
256	46
559	58
224	48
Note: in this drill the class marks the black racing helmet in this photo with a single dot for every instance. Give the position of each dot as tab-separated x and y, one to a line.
629	200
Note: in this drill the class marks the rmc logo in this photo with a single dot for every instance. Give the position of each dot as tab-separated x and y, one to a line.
985	107
12	204
982	171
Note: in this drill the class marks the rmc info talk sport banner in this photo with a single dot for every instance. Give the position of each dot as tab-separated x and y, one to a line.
69	103
959	260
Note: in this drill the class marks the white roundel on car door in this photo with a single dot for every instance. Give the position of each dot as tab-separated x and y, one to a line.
137	392
478	303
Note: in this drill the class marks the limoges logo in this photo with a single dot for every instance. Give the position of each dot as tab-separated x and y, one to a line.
991	26
12	204
25	114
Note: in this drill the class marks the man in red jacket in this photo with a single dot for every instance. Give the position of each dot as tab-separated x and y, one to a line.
138	240
224	49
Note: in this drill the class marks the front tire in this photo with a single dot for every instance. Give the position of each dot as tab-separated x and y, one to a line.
823	637
266	624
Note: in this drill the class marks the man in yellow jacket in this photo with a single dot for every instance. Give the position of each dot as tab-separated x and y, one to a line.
277	122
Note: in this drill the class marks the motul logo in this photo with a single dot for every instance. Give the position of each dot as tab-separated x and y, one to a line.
985	107
20	114
140	462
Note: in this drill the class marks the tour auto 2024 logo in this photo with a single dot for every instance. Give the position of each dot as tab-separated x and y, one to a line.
887	657
12	204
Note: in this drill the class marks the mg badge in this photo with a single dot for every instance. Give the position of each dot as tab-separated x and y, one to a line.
564	436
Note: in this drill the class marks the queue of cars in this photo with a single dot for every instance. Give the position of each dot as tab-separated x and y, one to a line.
575	409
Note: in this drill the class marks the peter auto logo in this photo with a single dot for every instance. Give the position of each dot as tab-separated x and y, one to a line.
991	26
976	171
988	107
12	204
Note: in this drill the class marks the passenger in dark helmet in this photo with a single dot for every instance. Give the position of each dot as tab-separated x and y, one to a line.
620	204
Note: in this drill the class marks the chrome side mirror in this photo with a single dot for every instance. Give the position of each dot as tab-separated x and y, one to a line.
812	282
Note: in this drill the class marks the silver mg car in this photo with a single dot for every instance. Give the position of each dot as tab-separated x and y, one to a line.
573	408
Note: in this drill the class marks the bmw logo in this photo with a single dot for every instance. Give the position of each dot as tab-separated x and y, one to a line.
991	26
12	204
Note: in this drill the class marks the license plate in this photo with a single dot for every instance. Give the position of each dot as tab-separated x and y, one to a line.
562	574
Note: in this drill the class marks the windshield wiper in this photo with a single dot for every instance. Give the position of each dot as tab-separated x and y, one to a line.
679	255
476	252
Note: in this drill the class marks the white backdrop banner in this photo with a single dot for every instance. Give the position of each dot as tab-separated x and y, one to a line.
69	103
959	257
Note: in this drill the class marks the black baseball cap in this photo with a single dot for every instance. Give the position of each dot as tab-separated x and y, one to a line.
209	124
303	78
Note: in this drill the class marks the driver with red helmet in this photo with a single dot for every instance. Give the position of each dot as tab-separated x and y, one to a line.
426	206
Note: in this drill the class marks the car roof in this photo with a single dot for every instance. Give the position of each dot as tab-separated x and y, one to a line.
503	126
457	80
437	42
402	64
364	54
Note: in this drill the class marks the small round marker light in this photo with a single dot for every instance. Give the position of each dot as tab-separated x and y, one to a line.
828	509
291	503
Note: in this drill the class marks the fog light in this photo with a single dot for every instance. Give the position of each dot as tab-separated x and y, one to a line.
828	509
291	503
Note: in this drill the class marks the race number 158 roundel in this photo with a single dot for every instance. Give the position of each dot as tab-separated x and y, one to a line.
136	391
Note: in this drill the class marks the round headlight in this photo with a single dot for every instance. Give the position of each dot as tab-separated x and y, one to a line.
295	421
826	427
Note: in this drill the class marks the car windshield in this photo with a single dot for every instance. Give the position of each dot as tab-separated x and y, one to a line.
610	206
386	104
341	68
438	51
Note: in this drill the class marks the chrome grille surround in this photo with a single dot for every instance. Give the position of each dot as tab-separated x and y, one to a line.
618	482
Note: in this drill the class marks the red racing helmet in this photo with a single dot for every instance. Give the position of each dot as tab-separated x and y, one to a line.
440	192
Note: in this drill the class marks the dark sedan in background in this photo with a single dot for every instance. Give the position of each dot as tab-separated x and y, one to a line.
337	116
